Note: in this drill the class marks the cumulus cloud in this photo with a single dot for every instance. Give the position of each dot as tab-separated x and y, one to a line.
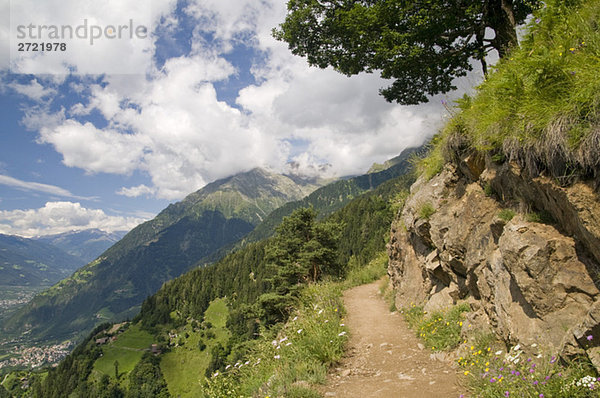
59	217
172	125
136	191
34	90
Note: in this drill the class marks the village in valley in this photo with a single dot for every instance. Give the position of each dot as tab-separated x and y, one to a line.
35	357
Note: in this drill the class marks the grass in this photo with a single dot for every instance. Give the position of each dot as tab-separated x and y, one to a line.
127	350
506	214
527	372
373	271
290	361
540	105
441	330
491	371
426	210
184	366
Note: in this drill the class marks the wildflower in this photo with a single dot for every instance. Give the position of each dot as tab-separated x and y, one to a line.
498	352
341	334
335	310
553	359
506	393
492	380
341	324
289	343
227	367
277	356
589	338
466	372
299	331
282	340
537	20
295	318
326	320
320	312
517	347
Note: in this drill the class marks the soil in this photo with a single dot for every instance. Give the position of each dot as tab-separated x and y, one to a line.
384	357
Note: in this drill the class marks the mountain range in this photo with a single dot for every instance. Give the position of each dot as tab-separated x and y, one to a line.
27	262
86	245
114	285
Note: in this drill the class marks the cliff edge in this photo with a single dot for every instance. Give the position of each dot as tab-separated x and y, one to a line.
523	251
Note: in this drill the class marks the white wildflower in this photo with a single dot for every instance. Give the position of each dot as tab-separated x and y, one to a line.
299	331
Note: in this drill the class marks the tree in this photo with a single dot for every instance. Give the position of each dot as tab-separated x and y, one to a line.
116	364
421	44
301	252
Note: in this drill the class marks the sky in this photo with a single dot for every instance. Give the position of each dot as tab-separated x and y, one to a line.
123	122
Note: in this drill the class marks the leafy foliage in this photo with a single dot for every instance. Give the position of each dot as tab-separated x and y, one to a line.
422	45
540	106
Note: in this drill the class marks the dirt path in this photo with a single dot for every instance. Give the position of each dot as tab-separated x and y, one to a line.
384	358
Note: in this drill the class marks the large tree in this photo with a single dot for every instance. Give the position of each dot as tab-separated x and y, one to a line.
422	44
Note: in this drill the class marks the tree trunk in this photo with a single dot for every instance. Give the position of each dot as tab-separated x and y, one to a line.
501	18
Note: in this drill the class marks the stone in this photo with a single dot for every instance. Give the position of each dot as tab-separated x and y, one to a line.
525	281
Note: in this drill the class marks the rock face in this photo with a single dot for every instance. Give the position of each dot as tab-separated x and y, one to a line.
527	281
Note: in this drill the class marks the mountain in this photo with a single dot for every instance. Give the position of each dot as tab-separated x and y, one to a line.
113	286
27	262
377	167
87	244
332	197
202	319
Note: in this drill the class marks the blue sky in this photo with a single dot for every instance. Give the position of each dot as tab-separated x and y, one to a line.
209	93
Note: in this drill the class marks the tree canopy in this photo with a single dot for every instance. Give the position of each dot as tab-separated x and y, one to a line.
423	45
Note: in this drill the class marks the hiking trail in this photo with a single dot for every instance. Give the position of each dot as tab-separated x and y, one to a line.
384	357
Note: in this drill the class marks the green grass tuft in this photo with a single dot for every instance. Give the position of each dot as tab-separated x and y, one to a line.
426	210
540	106
506	214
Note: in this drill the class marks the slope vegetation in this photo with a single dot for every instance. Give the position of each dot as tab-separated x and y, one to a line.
113	286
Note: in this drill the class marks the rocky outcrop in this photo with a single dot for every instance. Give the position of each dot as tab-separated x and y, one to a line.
527	281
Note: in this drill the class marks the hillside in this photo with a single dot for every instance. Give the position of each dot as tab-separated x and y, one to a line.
113	286
332	197
178	315
86	244
505	218
27	262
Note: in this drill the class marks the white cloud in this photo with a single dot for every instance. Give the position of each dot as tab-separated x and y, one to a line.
171	125
136	191
59	217
37	187
93	149
34	90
